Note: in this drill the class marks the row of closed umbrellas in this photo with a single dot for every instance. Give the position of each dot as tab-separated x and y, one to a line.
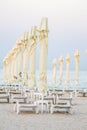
61	64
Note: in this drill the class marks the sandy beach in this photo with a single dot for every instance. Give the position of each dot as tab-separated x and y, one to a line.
43	64
77	120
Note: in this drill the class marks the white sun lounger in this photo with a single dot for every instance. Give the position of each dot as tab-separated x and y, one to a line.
66	99
61	106
25	107
19	98
4	97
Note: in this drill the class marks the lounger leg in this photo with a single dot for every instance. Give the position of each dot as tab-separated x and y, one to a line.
33	109
37	110
47	107
18	110
8	100
51	110
68	110
25	100
15	107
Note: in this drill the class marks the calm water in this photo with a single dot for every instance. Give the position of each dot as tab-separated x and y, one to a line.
82	79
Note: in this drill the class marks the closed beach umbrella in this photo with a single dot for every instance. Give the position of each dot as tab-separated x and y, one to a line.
43	54
5	69
15	64
61	59
32	58
20	60
54	72
25	59
77	60
67	81
9	66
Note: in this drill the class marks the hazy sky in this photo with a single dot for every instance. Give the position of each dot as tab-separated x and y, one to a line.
67	25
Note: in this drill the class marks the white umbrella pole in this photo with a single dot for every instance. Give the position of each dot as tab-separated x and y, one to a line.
43	55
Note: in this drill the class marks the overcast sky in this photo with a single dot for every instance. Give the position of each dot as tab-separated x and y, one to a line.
67	25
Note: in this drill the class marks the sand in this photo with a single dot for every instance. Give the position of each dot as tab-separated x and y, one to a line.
77	120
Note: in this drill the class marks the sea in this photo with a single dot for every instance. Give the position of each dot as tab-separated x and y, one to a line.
82	79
